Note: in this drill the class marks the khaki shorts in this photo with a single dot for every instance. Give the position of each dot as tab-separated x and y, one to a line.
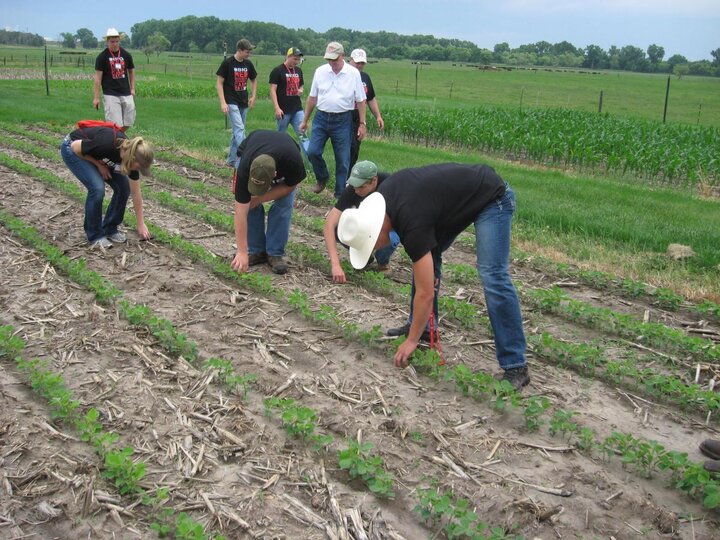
119	109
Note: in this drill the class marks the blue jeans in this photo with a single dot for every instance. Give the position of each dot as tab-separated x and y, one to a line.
337	128
492	236
294	120
382	255
95	226
237	117
273	240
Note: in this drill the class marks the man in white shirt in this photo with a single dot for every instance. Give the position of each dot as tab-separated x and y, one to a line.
336	91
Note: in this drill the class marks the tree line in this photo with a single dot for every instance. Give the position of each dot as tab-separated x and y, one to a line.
8	37
215	36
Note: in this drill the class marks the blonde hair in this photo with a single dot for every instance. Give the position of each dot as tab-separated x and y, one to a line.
136	150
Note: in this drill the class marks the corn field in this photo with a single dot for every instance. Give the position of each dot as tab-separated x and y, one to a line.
667	153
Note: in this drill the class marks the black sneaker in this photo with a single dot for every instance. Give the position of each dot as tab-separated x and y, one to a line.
517	377
405	330
257	258
277	265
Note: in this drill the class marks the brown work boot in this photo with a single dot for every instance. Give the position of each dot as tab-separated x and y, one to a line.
277	265
317	188
257	258
517	377
711	448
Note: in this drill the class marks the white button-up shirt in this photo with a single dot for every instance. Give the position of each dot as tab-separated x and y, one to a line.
337	92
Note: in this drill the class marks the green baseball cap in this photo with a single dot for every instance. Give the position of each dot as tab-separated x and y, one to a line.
262	173
361	173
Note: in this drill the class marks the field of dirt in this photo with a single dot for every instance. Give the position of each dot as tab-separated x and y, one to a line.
232	466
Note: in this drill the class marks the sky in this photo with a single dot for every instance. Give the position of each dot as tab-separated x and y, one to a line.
687	27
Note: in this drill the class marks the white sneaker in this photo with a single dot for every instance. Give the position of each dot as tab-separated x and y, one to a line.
119	237
101	243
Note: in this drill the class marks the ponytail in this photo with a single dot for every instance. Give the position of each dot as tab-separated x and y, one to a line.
136	150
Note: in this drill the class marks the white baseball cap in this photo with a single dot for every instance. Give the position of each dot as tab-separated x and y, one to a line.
358	55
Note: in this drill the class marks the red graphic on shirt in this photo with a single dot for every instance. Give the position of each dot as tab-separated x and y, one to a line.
292	86
117	67
241	77
365	88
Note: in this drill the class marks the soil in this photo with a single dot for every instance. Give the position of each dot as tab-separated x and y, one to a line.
230	465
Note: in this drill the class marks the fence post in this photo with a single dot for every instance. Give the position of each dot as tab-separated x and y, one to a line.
522	93
451	87
47	82
417	68
667	95
600	102
699	110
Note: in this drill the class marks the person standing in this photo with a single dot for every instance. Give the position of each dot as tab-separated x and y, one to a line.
269	168
233	77
428	207
103	155
336	90
115	76
364	179
358	59
286	89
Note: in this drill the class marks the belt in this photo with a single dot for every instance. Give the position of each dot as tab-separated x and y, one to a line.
335	113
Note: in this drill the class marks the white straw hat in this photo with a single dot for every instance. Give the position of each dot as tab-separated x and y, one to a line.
359	228
111	32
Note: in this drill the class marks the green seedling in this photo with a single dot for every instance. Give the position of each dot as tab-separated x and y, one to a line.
561	422
123	472
535	407
357	460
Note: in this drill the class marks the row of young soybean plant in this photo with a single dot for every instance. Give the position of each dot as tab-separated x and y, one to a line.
119	466
588	359
661	296
678	464
675	154
299	421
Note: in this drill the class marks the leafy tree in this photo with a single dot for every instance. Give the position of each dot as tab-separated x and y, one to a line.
595	57
674	60
655	54
632	58
543	48
716	57
86	37
158	42
68	40
680	70
564	47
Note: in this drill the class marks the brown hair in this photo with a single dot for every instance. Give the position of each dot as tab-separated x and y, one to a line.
136	150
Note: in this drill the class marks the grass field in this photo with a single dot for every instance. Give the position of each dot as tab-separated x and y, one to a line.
692	100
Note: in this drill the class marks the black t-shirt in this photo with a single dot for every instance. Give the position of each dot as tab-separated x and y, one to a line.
429	206
284	150
289	81
369	93
103	144
236	75
350	199
115	67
